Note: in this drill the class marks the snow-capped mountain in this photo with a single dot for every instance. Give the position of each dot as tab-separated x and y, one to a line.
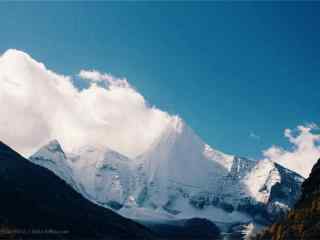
100	174
180	162
179	176
52	157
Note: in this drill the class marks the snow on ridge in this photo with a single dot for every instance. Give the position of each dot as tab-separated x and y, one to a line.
52	156
261	179
222	158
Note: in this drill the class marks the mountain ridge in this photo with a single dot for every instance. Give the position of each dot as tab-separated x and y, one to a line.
178	177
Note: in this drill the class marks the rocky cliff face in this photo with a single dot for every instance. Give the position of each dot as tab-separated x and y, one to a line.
303	221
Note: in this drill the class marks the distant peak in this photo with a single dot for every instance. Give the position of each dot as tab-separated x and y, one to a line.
54	142
53	146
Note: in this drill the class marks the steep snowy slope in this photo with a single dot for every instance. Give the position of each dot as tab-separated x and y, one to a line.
178	177
52	157
99	171
100	174
179	162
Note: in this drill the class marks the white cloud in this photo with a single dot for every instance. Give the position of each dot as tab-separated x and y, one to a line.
305	149
96	76
37	105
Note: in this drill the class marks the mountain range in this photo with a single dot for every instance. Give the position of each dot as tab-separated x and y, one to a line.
178	177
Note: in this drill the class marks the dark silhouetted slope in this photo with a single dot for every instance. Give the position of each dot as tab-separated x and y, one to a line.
186	229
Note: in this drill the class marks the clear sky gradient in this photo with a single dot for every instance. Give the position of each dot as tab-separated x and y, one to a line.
230	70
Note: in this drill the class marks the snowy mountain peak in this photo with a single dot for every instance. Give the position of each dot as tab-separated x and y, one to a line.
54	146
52	156
178	156
52	151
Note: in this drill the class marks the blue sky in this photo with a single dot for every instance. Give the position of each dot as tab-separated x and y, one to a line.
228	69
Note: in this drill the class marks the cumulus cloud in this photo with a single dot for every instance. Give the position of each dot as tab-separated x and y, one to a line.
38	105
305	149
